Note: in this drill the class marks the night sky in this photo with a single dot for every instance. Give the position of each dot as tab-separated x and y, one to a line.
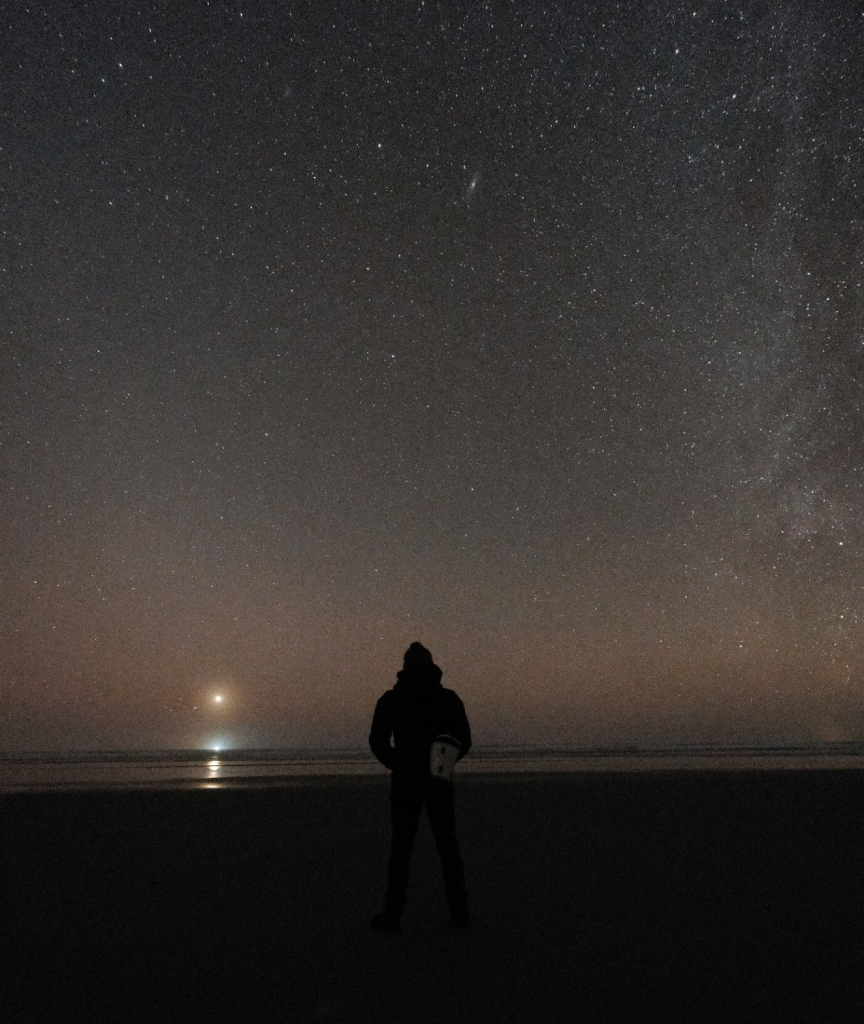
533	332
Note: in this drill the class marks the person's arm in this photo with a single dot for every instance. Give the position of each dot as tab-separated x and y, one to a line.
379	735
461	728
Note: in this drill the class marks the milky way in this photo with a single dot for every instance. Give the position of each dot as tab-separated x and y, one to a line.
531	332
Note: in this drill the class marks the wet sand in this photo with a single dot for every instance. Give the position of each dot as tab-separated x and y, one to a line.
597	897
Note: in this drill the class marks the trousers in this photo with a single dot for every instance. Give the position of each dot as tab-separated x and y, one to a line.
408	795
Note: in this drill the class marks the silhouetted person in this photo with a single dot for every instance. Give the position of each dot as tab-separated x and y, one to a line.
415	712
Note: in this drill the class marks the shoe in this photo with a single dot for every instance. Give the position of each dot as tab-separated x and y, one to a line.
385	922
460	919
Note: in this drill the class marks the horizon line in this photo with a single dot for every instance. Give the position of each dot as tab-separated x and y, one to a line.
496	750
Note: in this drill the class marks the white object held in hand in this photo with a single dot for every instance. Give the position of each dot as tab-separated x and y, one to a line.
444	755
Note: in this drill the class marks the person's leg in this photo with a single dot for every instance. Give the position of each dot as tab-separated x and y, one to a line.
439	800
406	799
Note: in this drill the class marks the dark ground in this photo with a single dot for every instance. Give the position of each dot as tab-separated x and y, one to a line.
604	897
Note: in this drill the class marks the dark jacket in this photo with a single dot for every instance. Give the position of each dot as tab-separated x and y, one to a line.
414	712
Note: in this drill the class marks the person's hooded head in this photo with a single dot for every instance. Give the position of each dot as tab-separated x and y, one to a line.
417	655
418	668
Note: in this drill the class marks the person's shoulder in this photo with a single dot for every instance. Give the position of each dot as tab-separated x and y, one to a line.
451	695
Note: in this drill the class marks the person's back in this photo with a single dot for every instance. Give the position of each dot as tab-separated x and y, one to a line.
416	711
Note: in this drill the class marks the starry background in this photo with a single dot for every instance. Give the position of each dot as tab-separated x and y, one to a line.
530	331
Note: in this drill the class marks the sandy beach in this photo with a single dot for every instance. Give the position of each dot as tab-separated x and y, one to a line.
601	897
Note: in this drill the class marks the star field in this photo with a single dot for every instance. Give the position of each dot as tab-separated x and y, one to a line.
534	332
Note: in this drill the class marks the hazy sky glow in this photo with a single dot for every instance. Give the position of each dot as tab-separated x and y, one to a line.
532	332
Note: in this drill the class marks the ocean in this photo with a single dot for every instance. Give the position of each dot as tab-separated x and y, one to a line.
202	769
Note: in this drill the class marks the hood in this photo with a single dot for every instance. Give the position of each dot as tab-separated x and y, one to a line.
418	678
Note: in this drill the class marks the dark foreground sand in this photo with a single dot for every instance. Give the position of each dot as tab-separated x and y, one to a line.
694	896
